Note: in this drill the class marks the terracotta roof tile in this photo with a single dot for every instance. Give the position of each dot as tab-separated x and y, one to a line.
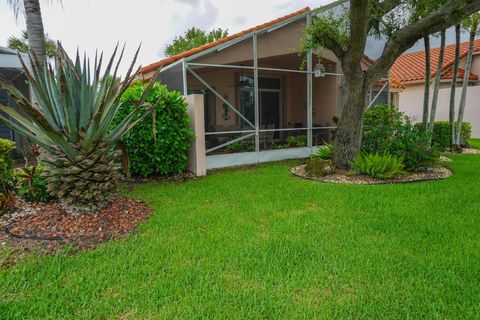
165	62
411	66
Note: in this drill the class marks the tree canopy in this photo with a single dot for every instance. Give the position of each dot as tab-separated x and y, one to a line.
21	44
194	38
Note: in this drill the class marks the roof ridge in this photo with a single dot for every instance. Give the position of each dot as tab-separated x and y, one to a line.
169	60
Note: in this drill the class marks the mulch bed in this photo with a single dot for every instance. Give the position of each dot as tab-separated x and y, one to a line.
48	228
343	176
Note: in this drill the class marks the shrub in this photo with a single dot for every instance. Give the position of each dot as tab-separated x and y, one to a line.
441	134
318	167
381	166
387	130
236	147
157	145
7	176
32	186
324	152
297	142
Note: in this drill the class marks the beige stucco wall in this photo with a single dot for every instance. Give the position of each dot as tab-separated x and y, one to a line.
411	102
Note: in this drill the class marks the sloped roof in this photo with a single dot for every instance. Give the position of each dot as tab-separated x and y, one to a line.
165	62
411	66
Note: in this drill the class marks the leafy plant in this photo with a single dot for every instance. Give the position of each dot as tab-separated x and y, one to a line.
71	124
441	134
236	147
7	176
297	142
159	143
324	152
387	130
381	166
32	186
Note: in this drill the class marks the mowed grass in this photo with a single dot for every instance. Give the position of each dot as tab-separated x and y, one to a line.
474	143
261	244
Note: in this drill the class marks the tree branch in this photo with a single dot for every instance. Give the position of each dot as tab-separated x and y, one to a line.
451	13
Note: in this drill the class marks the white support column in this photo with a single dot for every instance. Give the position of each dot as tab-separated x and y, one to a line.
309	92
184	76
256	95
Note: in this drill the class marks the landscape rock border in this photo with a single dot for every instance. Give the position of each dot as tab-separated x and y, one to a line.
345	177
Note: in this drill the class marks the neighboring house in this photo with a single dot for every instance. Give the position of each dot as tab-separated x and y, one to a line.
259	104
11	69
410	70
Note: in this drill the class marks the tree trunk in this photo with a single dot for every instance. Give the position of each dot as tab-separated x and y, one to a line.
438	77
348	139
36	34
453	88
466	78
426	95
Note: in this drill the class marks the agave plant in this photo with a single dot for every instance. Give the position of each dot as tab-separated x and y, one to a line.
71	122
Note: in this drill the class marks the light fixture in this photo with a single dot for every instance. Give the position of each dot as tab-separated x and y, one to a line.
319	70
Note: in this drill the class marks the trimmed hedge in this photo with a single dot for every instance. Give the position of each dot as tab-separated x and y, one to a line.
162	152
7	176
441	134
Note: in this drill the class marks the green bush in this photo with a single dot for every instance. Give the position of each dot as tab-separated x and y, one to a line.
32	186
441	134
7	176
297	142
387	130
164	150
236	147
381	166
324	152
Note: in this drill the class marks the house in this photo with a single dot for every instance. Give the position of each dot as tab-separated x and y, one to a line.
254	102
11	69
410	70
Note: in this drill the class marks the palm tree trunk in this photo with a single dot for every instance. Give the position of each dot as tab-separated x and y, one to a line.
438	77
453	88
36	34
466	78
426	95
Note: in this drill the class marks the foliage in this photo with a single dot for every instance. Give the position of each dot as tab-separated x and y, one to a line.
159	143
71	124
441	134
194	38
32	186
296	142
21	44
324	152
236	147
381	166
7	176
387	130
317	167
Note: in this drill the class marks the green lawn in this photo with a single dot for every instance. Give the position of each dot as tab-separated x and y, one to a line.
475	143
259	243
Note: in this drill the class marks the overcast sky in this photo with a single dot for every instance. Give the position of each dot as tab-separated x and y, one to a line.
99	24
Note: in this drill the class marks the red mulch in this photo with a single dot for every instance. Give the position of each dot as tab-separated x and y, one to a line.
51	223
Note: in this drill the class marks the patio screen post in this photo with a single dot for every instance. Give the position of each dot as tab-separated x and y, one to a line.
256	95
309	93
184	76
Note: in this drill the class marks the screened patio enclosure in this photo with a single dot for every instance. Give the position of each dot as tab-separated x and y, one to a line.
264	99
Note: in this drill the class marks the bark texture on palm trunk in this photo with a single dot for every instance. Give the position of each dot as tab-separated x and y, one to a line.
426	94
36	34
438	77
453	87
85	183
466	80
